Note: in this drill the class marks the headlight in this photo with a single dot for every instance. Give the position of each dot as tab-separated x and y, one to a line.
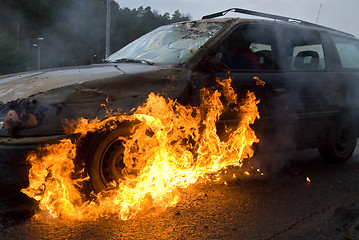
2	118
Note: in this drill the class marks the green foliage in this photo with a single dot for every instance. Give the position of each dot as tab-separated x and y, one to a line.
73	31
11	60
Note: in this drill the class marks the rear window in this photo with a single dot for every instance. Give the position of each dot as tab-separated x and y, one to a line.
348	51
304	49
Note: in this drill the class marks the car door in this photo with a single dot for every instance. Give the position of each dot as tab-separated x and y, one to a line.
314	90
250	52
346	49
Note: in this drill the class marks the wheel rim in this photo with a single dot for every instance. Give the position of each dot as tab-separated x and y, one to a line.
111	163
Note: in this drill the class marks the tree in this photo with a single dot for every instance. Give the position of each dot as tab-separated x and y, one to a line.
178	17
73	31
11	60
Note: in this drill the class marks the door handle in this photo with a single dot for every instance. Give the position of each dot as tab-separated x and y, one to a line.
279	90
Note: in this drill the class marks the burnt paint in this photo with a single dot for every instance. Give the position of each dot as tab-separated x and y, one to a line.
90	98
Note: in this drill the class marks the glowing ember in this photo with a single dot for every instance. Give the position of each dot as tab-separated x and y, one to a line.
170	146
308	180
258	81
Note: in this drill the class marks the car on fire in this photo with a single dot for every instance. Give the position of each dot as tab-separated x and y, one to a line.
310	98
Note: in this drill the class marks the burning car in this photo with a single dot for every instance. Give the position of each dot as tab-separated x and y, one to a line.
310	95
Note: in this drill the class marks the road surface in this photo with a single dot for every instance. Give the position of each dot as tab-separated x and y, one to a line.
281	205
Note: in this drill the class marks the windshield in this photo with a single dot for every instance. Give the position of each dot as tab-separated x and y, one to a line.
172	44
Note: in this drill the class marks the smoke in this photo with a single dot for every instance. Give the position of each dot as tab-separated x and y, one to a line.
277	137
75	37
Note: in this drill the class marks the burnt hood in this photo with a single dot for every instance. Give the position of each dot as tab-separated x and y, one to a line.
24	85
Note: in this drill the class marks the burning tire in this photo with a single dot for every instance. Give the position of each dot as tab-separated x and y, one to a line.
340	141
105	158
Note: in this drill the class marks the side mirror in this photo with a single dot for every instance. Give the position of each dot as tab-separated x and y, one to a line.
212	63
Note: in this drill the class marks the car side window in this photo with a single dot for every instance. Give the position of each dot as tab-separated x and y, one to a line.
250	47
348	51
304	50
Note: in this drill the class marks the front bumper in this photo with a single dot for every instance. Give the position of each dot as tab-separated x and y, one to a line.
14	168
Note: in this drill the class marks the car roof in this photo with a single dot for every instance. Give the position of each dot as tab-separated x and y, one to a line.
276	18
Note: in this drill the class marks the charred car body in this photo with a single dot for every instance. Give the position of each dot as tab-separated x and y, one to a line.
311	93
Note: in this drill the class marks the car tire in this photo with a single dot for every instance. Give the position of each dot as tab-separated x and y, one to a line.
340	141
104	162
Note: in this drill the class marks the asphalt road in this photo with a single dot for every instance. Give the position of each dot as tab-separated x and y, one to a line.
281	205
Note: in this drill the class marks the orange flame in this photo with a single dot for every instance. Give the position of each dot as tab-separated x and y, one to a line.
182	148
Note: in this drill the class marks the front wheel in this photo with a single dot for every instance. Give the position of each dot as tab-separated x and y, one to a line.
104	162
340	141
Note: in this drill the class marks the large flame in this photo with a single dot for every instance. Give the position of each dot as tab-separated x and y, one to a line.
171	146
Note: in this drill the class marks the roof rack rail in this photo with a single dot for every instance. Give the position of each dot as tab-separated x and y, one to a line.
267	15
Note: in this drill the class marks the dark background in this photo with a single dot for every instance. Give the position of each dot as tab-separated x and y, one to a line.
73	31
